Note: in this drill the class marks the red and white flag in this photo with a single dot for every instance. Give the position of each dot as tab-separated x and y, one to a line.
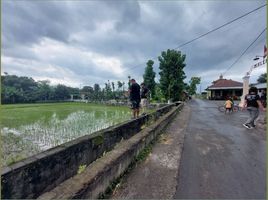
265	51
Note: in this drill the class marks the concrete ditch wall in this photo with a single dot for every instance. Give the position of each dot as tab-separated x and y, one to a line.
99	175
40	173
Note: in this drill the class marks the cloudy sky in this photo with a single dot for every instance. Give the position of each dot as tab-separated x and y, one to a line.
80	43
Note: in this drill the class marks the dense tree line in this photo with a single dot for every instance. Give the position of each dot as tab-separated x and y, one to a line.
171	86
15	89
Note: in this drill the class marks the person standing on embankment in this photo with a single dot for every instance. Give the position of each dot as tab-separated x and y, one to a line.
135	98
145	95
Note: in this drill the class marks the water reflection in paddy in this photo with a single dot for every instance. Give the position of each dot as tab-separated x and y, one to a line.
29	139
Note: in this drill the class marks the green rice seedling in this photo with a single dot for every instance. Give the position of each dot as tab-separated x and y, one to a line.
47	125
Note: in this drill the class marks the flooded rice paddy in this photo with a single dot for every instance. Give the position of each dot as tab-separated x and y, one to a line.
31	128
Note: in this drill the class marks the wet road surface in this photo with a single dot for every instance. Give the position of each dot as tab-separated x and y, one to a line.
221	159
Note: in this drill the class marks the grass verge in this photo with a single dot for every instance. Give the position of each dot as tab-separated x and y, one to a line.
137	160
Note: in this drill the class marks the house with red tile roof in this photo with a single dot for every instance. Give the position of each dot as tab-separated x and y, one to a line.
222	88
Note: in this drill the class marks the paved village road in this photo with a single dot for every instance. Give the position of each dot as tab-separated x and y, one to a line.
221	159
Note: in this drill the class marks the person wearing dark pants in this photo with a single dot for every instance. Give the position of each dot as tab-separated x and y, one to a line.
252	103
135	98
145	96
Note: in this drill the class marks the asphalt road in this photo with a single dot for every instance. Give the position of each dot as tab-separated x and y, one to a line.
221	159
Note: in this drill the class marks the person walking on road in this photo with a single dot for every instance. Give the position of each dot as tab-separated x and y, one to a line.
135	98
252	103
145	95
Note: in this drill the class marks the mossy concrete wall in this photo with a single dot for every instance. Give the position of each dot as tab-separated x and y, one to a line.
40	173
99	175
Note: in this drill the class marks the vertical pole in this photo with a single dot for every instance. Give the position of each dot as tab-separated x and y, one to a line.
245	89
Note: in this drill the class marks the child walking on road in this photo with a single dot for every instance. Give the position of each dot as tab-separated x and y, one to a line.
252	103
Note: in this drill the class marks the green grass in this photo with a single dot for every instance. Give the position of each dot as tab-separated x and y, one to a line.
22	114
27	129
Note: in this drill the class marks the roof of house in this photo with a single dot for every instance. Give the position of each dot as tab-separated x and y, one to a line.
260	85
222	83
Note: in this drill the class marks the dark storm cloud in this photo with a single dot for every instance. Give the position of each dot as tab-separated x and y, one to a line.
25	22
128	14
129	33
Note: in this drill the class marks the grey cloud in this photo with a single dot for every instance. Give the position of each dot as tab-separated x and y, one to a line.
26	22
29	21
129	14
134	37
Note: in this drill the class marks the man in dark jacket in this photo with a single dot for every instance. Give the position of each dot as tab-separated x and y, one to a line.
252	103
135	98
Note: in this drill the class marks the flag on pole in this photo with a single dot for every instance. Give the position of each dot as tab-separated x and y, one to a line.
265	51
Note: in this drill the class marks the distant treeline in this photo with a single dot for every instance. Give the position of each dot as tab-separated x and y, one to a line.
15	89
171	85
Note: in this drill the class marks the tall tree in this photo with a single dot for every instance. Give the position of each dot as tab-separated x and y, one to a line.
74	91
129	77
123	85
88	92
172	74
113	86
148	77
97	91
193	82
119	85
11	95
44	90
262	78
62	92
87	89
108	90
158	93
97	88
22	89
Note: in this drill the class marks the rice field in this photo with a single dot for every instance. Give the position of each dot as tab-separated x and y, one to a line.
27	129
